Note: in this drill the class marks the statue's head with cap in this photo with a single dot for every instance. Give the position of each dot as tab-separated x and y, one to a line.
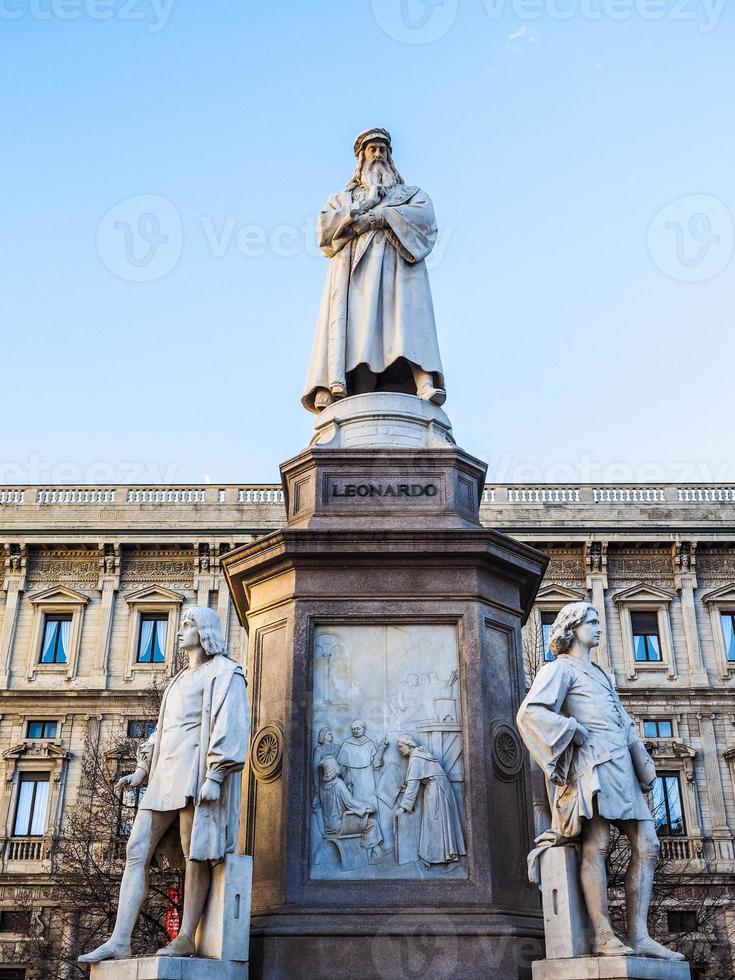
373	150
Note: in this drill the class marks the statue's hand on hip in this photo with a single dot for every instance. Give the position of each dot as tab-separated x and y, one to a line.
209	792
130	781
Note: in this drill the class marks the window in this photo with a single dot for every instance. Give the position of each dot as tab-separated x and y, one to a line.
15	920
728	634
12	974
667	806
55	648
41	729
646	642
30	814
681	921
140	729
657	728
152	639
547	621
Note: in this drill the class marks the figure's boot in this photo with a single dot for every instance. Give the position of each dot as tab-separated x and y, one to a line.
183	945
111	950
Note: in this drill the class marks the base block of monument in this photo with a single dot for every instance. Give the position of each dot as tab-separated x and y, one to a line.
224	930
168	968
611	968
566	925
385	612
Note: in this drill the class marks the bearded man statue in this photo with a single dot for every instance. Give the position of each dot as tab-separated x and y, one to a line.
376	328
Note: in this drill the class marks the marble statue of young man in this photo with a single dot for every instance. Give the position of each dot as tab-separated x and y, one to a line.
579	734
376	328
192	763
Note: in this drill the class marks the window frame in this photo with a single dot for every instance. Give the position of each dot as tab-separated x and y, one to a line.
44	722
721	602
151	601
646	599
152	617
56	619
664	774
59	601
35	777
657	722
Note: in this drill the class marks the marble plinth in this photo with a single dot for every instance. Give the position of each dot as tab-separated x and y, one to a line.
224	930
611	968
383	420
566	924
371	617
168	968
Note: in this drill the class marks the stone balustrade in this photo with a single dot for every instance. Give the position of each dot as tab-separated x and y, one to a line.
25	849
271	494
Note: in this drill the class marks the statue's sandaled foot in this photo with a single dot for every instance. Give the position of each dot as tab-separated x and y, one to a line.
649	947
430	394
181	946
337	390
107	951
608	944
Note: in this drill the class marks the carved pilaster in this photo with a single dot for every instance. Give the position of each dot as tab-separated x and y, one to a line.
13	585
711	759
595	560
203	573
109	583
683	559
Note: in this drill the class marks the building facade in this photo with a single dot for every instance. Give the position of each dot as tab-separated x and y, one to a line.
94	581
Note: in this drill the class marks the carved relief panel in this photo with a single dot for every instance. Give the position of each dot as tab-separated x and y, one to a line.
386	774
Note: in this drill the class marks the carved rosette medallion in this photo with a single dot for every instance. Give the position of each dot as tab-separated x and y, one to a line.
506	751
266	753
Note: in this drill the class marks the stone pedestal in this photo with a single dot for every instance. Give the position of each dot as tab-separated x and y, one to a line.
386	602
566	925
168	968
611	968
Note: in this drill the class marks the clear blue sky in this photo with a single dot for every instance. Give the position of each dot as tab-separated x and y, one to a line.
586	329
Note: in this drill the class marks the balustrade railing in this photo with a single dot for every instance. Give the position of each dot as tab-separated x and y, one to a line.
166	495
81	496
269	494
25	849
681	848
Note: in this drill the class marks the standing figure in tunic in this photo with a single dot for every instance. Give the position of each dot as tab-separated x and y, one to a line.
192	763
578	732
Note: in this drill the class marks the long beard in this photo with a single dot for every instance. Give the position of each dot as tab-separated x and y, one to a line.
378	174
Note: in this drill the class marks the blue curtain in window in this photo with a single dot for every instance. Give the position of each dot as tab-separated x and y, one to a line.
146	635
47	654
62	653
23	813
38	819
159	642
728	632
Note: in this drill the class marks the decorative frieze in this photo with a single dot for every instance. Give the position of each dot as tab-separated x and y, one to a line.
632	565
166	566
53	566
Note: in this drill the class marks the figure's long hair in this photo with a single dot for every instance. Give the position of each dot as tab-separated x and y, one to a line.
569	619
357	177
207	622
